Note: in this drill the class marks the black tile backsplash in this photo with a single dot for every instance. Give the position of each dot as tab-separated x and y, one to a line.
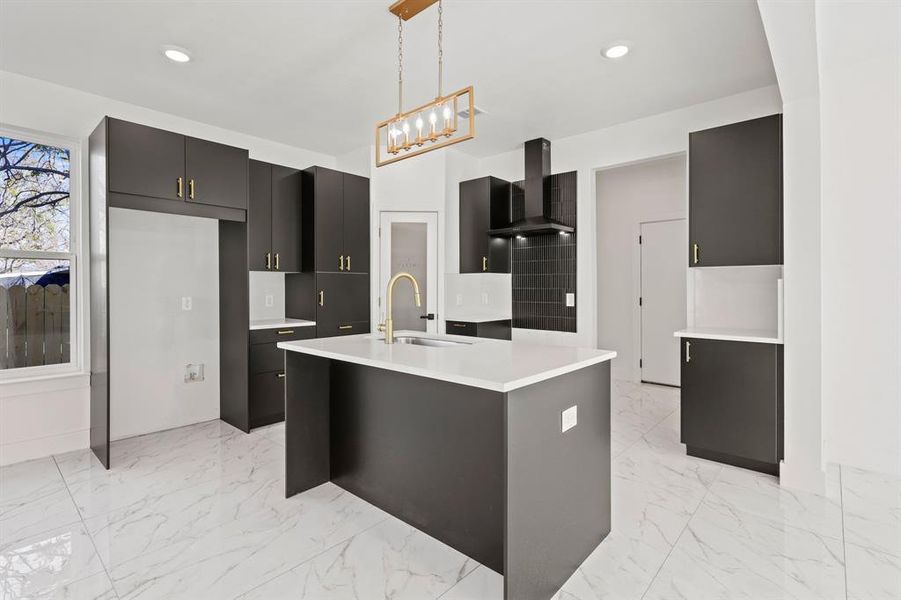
544	266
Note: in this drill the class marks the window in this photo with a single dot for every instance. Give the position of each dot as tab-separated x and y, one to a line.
37	254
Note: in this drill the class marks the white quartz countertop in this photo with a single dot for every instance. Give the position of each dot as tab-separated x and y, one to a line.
760	336
496	365
479	317
277	323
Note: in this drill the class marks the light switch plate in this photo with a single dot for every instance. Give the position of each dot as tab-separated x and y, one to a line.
569	418
186	303
570	299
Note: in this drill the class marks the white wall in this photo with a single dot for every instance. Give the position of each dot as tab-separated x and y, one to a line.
651	137
627	196
860	114
155	260
46	417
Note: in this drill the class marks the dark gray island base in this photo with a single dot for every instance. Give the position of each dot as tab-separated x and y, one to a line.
487	472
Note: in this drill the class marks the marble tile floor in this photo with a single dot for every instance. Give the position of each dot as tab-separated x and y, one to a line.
198	513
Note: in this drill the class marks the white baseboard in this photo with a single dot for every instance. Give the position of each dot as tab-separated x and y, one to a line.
38	448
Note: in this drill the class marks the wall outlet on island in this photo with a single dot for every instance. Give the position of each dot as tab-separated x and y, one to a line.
569	418
193	372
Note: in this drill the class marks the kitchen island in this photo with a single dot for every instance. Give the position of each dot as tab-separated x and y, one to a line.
498	449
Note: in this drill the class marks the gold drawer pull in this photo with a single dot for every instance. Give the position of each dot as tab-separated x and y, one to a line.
281	375
695	249
345	327
459	324
191	189
484	263
269	260
321	298
341	263
348	262
181	187
687	351
285	331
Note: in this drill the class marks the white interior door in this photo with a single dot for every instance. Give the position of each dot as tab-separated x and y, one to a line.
408	241
663	301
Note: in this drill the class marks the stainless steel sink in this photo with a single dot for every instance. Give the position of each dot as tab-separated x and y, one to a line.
425	341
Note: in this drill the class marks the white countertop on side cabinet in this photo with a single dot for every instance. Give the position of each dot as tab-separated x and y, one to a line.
759	336
496	365
277	323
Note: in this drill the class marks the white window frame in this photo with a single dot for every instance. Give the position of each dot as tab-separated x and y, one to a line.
75	256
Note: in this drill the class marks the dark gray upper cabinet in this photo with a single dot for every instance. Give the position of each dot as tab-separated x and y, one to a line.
485	203
735	194
150	162
274	218
217	174
259	217
732	402
286	218
336	221
356	223
146	161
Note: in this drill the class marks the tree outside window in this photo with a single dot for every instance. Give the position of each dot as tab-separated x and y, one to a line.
35	254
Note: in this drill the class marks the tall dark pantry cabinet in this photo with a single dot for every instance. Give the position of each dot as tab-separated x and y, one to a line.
147	169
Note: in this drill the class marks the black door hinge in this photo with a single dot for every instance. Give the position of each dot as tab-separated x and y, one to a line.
640	363
639	301
639	239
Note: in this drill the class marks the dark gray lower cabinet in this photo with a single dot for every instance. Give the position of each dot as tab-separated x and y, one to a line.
342	303
267	372
732	402
499	330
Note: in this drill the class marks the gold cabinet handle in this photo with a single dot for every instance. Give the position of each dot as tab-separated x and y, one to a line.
484	263
191	189
345	327
285	331
181	187
277	267
695	249
269	260
341	263
280	375
348	262
321	298
687	351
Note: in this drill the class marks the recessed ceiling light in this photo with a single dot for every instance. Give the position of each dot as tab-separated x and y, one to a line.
176	54
616	51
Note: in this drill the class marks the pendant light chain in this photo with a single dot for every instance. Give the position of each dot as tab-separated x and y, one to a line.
400	65
440	50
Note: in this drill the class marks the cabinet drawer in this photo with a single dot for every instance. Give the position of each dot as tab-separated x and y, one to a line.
461	328
265	358
267	398
336	329
281	334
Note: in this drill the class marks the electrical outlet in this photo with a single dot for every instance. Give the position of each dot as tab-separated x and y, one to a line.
570	299
186	303
569	418
459	299
269	300
193	373
484	297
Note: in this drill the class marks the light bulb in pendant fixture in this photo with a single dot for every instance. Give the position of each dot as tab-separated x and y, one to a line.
433	119
406	129
419	124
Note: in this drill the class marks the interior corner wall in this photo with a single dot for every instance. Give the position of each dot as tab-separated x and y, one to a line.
155	261
859	46
651	137
35	104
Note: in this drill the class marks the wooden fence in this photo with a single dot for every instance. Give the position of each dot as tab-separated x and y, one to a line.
34	325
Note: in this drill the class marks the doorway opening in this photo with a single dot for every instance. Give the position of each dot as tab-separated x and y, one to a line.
408	242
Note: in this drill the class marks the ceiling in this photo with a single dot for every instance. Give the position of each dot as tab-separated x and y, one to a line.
319	74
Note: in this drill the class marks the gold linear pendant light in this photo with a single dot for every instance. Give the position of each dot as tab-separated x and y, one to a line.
444	121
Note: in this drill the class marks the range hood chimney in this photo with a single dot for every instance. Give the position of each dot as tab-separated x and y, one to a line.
537	183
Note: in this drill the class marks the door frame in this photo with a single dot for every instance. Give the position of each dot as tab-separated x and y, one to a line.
636	284
433	287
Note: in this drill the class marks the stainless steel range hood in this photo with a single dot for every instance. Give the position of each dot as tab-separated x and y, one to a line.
537	183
